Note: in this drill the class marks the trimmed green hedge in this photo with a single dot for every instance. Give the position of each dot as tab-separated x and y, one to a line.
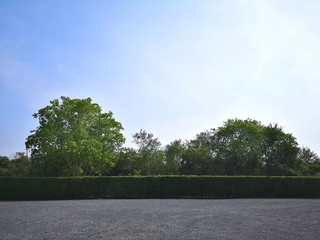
12	188
15	188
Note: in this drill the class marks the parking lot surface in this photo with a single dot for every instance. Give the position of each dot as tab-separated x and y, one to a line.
161	219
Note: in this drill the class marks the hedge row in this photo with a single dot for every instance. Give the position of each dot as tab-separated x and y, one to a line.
12	188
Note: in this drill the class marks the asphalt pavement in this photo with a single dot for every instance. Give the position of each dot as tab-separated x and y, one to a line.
161	219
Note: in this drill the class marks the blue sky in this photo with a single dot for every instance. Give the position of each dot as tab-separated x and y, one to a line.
173	68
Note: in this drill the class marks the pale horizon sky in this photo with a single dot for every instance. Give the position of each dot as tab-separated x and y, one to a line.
173	68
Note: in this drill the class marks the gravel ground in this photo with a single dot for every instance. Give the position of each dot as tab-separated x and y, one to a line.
161	219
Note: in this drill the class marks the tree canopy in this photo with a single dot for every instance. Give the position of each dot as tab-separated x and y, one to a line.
73	136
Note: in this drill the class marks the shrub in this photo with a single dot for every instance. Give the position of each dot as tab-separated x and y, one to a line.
13	188
48	188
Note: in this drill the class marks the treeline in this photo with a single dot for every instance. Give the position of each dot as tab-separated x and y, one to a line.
74	138
239	147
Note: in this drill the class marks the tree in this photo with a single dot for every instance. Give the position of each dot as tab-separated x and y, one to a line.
311	161
127	164
281	151
150	159
5	165
197	158
246	147
21	164
238	147
308	156
74	139
18	165
173	157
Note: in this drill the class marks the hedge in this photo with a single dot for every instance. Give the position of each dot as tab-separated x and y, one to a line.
13	188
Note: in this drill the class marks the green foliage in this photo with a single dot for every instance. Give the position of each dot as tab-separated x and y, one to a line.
75	139
13	188
310	160
238	147
50	188
72	137
243	147
127	163
295	187
18	166
189	187
197	157
281	150
173	157
4	166
150	157
308	156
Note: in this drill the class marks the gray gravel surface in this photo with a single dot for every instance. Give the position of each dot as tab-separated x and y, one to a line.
161	219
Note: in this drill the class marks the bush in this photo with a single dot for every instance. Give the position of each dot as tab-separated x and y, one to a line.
295	187
48	188
12	188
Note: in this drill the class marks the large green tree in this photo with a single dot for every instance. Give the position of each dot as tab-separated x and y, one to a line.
246	147
238	147
74	139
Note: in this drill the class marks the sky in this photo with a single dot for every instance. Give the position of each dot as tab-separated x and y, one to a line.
173	68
